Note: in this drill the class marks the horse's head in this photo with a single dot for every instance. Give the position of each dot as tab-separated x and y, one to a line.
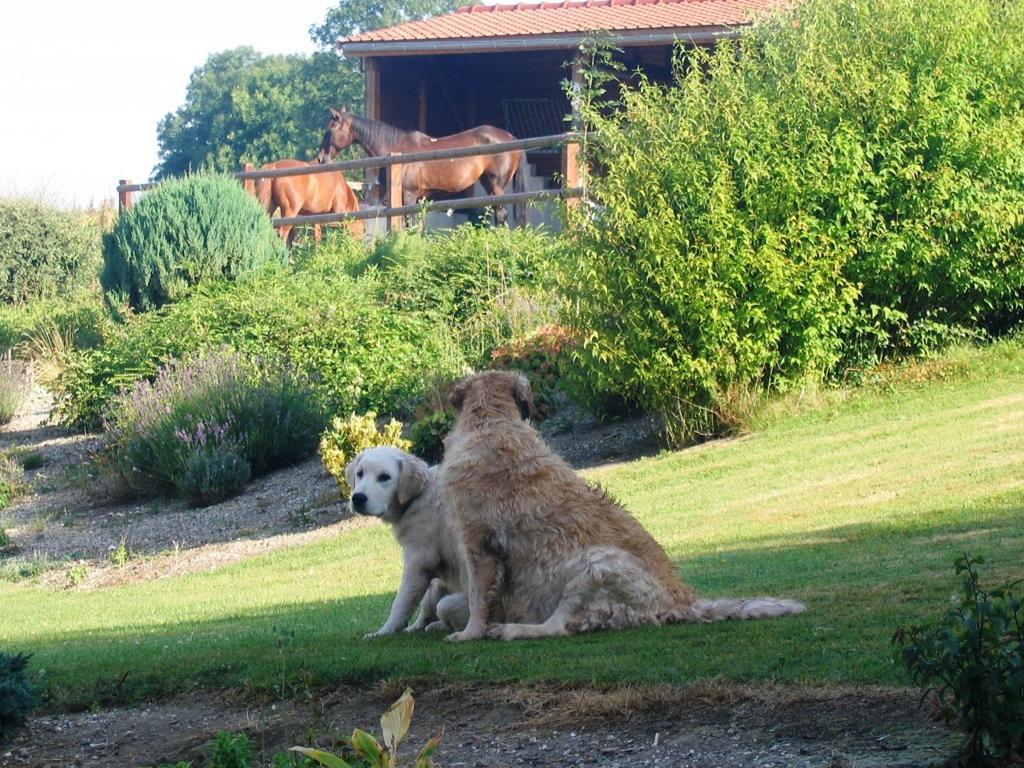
338	135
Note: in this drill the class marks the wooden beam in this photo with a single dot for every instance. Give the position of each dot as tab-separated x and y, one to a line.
371	176
422	121
124	196
249	184
395	196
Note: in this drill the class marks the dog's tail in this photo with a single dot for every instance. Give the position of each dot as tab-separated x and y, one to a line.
744	608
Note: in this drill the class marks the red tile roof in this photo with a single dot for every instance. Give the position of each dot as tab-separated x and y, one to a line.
569	17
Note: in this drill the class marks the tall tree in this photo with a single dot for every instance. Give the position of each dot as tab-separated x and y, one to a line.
243	107
351	17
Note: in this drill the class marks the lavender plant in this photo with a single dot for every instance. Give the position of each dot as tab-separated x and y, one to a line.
207	424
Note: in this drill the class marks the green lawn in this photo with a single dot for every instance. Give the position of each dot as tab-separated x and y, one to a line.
857	507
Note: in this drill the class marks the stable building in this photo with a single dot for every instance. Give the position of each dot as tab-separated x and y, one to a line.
505	65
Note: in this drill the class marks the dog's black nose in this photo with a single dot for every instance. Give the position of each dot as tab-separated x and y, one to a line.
358	501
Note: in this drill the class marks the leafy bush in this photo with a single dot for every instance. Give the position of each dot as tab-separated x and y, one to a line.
487	285
231	750
357	354
5	539
974	658
426	435
207	422
545	356
347	437
74	322
18	697
45	252
14	387
844	182
183	233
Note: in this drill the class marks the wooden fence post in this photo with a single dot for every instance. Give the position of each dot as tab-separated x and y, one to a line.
124	198
249	184
572	174
395	194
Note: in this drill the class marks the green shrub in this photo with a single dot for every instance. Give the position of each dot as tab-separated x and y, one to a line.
357	353
844	182
45	252
205	424
183	233
5	538
427	434
347	437
74	322
545	356
973	662
487	285
16	569
18	696
14	387
231	750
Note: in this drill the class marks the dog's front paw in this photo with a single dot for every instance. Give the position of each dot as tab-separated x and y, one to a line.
496	632
413	628
382	632
466	634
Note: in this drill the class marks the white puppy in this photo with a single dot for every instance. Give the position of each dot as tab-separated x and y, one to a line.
403	491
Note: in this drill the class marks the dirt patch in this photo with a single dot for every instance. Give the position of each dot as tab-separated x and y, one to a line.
585	441
63	520
700	725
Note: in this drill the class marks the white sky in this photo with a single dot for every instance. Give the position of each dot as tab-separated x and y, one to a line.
83	85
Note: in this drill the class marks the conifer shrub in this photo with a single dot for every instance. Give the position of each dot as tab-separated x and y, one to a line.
186	232
45	252
18	696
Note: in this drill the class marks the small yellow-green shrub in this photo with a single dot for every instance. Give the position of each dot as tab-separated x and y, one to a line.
347	437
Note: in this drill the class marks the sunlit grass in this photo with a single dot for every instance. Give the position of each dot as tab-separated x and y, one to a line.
858	507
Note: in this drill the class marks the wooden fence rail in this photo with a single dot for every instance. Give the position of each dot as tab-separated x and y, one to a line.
395	211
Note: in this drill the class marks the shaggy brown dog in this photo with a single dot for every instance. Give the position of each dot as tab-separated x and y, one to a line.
544	549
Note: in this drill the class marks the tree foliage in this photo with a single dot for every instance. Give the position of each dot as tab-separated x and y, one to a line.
244	107
355	16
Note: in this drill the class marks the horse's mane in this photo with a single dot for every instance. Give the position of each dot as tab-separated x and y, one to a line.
377	135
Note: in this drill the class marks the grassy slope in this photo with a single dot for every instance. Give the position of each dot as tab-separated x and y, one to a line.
858	508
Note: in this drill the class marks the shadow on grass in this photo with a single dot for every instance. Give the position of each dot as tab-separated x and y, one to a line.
860	582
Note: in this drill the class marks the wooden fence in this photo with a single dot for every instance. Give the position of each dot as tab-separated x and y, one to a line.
394	212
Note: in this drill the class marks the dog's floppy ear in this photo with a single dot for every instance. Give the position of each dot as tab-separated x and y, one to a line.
350	473
412	479
523	396
458	395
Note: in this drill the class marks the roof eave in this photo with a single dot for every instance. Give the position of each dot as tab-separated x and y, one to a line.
624	38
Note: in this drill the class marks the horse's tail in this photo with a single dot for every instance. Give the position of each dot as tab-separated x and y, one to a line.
264	190
519	185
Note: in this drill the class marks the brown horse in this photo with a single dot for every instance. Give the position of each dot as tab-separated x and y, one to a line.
304	195
426	179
